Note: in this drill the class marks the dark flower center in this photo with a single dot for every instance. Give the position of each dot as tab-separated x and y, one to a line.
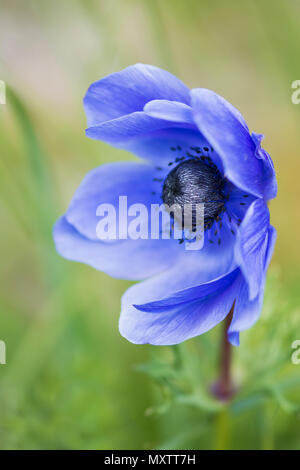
195	182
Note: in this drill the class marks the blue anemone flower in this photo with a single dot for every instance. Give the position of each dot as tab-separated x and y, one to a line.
196	147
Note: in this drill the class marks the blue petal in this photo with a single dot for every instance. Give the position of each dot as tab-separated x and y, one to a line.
76	235
156	311
104	185
269	171
188	295
171	322
128	91
237	204
234	338
190	269
251	245
115	109
272	235
170	111
164	146
124	129
231	139
246	312
124	259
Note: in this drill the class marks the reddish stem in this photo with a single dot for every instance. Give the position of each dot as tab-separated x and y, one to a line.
224	389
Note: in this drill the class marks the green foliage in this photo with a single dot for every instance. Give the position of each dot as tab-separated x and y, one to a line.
267	383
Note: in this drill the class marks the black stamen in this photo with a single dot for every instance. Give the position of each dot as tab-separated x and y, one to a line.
194	182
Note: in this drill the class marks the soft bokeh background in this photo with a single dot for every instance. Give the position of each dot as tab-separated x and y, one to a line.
71	381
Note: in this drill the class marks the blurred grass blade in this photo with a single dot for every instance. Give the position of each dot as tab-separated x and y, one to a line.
43	194
33	151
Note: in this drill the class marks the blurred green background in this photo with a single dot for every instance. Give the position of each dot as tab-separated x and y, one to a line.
71	381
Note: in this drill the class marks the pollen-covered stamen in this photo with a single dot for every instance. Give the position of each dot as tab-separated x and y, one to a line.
195	182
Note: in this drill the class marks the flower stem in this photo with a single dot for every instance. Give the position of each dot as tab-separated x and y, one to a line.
224	389
223	430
